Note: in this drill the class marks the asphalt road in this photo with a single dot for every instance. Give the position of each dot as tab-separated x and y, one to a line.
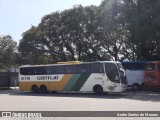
15	100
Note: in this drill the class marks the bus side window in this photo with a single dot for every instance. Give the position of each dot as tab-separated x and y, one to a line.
39	70
84	68
22	71
48	70
97	68
26	71
59	69
71	69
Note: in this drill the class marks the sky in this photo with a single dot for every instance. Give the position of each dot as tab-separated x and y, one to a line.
17	16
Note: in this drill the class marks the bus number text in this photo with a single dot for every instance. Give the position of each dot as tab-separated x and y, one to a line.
25	78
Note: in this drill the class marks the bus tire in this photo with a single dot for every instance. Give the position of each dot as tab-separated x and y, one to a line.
135	86
142	86
35	88
43	89
98	90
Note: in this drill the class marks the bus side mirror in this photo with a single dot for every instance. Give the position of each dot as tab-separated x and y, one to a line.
122	72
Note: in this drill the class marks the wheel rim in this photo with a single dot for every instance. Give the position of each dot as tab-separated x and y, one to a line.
43	89
35	89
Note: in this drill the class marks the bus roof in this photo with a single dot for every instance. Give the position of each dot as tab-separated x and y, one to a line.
129	62
70	63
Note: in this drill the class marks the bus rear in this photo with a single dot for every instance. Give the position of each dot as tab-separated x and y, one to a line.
152	75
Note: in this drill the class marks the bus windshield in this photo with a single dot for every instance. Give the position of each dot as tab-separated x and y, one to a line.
112	72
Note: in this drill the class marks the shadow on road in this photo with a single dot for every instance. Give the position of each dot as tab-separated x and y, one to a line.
133	95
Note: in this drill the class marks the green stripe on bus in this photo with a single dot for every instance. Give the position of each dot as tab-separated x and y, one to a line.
71	82
80	82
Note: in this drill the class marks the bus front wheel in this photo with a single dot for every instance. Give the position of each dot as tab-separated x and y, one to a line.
35	88
98	90
135	86
43	88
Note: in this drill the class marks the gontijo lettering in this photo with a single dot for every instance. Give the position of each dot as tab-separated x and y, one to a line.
47	78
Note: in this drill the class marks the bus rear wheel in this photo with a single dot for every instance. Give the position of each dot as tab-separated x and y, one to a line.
98	90
43	89
35	88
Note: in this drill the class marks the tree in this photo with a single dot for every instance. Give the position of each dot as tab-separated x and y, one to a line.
31	48
62	36
111	30
115	30
143	22
7	48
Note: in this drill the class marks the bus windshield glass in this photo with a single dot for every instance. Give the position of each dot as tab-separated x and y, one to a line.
112	72
150	67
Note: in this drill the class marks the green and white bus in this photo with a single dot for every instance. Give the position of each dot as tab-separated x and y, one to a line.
97	77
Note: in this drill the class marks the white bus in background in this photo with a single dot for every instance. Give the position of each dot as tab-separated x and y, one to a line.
97	77
134	73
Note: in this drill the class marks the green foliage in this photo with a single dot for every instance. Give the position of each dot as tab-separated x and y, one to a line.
7	50
32	49
111	32
142	19
115	30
